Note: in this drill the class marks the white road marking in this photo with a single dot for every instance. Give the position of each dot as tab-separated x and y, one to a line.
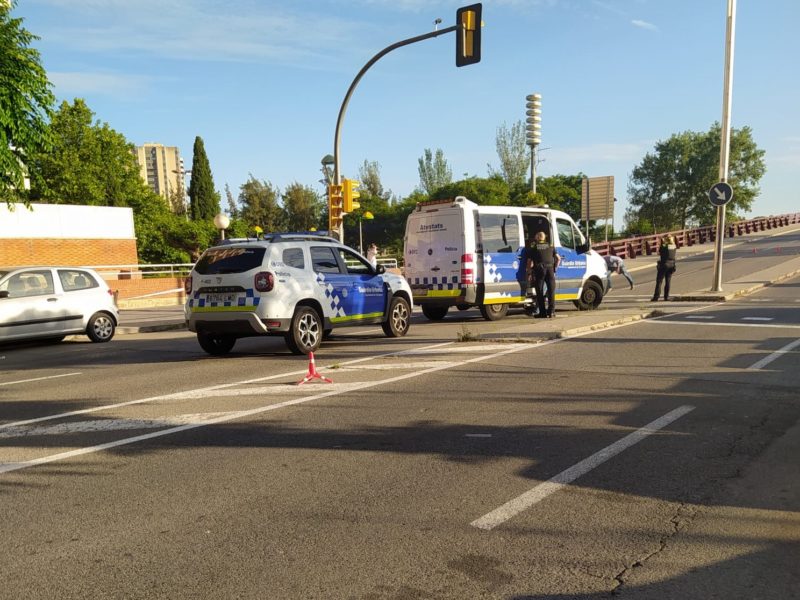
758	318
775	355
767	325
760	299
700	317
39	378
540	492
10	467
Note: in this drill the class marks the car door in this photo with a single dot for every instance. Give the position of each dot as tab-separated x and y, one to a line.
367	296
79	299
31	308
572	266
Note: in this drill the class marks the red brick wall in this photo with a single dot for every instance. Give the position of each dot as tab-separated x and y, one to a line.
138	293
68	252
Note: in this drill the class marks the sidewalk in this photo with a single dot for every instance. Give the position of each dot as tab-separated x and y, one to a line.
566	324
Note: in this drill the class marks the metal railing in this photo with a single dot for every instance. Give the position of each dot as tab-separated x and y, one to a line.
143	271
649	244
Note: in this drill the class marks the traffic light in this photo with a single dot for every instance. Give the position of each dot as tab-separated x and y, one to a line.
334	207
350	195
468	35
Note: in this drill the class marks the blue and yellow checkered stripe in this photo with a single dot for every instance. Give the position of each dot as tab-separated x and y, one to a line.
247	302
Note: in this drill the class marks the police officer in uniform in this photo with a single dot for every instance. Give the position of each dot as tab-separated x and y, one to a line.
665	266
543	260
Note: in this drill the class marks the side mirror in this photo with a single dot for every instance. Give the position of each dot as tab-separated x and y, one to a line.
583	248
380	269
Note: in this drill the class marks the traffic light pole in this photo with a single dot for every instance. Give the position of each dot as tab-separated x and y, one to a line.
337	177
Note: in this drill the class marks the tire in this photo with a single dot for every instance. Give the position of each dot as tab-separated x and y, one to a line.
591	296
305	333
494	312
399	320
433	312
101	327
463	306
216	344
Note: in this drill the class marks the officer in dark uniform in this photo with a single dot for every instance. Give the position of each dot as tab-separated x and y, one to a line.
665	266
543	260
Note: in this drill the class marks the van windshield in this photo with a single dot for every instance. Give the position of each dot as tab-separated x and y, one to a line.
217	261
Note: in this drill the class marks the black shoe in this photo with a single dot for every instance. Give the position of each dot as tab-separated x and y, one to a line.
654	299
666	298
539	316
551	315
631	286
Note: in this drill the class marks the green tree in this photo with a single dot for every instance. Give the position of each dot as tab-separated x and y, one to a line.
203	197
86	163
259	205
369	174
513	154
25	103
487	191
562	192
233	209
433	171
303	208
670	186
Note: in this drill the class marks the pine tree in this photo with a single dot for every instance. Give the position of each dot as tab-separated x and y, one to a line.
203	197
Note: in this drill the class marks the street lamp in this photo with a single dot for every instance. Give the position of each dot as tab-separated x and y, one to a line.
327	168
533	130
368	216
221	222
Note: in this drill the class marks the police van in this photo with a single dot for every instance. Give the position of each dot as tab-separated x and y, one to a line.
458	253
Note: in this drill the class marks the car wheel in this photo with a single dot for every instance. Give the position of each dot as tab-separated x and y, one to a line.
494	312
101	327
399	318
305	333
216	344
434	313
591	296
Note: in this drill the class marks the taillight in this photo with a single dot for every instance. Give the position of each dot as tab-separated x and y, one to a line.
264	281
187	284
467	269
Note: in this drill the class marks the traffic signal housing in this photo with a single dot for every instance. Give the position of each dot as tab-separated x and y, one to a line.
349	195
468	35
335	203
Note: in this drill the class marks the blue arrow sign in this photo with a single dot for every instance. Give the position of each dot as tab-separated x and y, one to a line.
720	194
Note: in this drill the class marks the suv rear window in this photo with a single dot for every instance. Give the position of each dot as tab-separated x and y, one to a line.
217	261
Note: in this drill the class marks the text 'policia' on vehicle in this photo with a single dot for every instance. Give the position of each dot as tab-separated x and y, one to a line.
458	253
295	285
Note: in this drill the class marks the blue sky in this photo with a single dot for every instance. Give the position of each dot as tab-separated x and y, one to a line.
262	82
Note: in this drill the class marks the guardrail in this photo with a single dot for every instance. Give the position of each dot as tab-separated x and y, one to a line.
649	244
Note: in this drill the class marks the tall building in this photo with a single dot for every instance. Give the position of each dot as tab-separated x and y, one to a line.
162	168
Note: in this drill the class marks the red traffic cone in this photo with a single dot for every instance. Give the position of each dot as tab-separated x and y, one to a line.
312	372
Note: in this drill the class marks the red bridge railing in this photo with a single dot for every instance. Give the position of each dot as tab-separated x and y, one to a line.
649	244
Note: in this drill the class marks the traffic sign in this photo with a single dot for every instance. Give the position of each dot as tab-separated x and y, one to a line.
720	194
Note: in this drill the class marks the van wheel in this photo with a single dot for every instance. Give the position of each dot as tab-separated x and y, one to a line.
216	344
494	312
434	313
305	332
101	327
591	296
399	318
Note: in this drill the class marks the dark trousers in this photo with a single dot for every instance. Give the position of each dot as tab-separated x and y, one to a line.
545	274
662	274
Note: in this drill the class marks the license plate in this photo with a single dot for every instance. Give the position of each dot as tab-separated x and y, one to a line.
221	298
420	292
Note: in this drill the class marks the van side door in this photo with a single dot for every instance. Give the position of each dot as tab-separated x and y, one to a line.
499	234
572	267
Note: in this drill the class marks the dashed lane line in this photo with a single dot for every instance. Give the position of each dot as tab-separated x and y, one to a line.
775	355
39	378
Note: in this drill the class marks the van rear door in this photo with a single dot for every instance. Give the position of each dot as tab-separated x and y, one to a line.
434	245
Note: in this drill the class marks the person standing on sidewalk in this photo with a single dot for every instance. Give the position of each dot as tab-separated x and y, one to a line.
543	260
665	266
616	265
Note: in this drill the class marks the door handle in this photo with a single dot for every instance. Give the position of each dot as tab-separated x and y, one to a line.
52	299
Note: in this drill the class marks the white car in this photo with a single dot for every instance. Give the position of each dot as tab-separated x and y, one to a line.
53	302
298	286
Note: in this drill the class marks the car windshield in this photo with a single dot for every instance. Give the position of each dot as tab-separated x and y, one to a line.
218	261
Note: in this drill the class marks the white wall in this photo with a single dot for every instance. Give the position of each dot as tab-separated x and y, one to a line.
66	221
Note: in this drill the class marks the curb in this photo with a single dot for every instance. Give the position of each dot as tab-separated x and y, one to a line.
151	328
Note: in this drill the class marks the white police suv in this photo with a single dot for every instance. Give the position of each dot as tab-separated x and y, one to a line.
299	286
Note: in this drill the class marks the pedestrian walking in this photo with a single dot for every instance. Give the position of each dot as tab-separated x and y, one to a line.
665	266
543	261
372	254
616	265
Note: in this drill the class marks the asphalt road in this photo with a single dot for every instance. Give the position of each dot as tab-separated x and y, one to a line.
656	459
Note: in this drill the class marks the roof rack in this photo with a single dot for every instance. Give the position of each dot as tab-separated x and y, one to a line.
305	236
